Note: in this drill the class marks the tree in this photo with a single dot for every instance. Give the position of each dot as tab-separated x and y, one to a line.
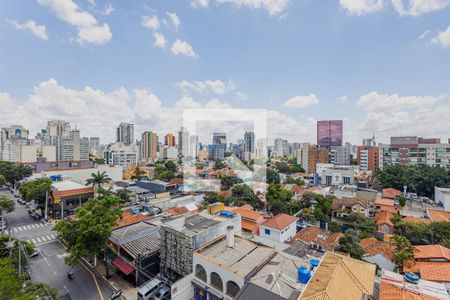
213	197
243	194
227	182
296	168
322	211
272	177
219	165
14	173
362	224
138	174
166	175
278	199
418	179
403	249
124	196
298	181
36	190
99	161
98	179
2	180
427	233
86	235
350	244
402	201
282	167
6	205
170	165
335	227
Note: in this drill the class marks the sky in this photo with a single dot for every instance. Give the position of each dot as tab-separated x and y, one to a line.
383	66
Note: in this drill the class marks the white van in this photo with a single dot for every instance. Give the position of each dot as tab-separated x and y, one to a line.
149	289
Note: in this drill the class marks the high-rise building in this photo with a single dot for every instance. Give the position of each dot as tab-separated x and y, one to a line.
413	150
183	142
193	145
341	155
122	155
58	128
368	158
249	141
125	133
12	139
311	155
149	143
169	140
329	133
278	147
94	145
220	138
370	142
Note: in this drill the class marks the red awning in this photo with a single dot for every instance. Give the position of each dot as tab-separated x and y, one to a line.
124	267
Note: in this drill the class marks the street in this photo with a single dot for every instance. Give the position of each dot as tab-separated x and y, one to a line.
49	266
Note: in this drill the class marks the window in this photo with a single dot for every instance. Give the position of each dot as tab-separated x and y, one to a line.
232	288
267	231
216	281
200	273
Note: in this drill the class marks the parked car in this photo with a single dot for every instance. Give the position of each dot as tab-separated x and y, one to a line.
149	289
35	253
162	294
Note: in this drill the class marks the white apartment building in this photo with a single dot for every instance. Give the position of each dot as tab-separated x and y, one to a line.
119	154
280	228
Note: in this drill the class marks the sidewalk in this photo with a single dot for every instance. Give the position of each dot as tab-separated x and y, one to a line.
129	291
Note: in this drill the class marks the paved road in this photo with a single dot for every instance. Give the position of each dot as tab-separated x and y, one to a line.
49	267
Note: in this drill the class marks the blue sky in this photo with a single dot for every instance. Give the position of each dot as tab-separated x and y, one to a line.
381	65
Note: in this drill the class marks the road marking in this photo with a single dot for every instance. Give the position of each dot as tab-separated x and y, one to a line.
29	227
93	275
38	239
44	238
62	255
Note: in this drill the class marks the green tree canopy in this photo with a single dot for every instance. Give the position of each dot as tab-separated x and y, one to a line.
418	179
272	177
138	174
350	244
170	165
403	249
124	196
227	182
362	224
428	233
278	199
282	167
6	205
213	197
86	235
166	175
97	179
298	181
322	211
2	180
243	194
14	172
36	190
219	165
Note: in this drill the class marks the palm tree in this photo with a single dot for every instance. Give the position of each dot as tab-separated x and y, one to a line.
97	180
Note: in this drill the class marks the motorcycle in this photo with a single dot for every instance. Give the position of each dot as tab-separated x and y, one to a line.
70	274
116	294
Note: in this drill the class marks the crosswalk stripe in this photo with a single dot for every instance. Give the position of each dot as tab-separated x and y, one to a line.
48	237
34	241
53	236
20	228
44	239
28	227
38	239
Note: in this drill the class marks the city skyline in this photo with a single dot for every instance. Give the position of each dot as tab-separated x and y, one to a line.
220	66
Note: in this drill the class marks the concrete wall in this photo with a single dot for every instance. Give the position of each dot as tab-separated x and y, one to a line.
442	195
182	289
215	231
277	235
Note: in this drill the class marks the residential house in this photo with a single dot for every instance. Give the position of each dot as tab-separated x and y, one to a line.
385	204
318	239
280	228
438	215
393	286
414	219
379	253
384	223
341	277
250	219
431	262
342	208
390	193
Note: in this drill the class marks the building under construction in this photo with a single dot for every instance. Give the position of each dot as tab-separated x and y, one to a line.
182	235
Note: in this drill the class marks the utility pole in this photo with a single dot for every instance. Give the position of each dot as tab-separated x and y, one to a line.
46	206
20	266
62	208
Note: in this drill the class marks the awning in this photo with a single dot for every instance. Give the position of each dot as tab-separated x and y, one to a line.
124	267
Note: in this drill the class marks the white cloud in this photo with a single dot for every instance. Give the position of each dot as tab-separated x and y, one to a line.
424	34
361	7
160	40
174	18
89	31
443	38
241	96
418	7
213	86
273	7
379	102
199	3
343	99
151	22
183	48
301	101
109	8
30	25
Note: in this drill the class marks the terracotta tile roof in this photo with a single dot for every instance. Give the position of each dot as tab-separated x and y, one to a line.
307	234
338	275
280	221
384	201
384	218
330	242
389	291
129	218
246	207
82	191
438	215
413	219
431	252
175	211
177	181
248	214
248	225
373	246
226	194
439	272
338	203
389	209
415	266
390	193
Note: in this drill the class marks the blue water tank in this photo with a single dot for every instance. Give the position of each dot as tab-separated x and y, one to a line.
226	214
411	277
304	274
314	262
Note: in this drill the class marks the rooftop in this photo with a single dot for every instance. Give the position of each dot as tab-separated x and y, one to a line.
438	215
318	236
338	275
373	246
129	218
414	219
280	221
392	291
384	201
242	259
140	238
431	252
384	217
280	275
66	185
390	193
